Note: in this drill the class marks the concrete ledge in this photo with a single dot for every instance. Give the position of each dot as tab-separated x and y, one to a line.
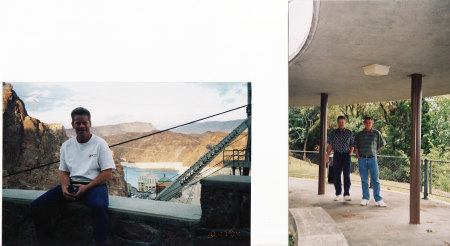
228	182
168	212
315	227
158	210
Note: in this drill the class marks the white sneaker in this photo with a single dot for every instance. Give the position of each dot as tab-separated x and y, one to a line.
380	203
338	198
347	198
364	202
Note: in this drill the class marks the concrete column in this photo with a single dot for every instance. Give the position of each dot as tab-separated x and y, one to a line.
323	141
248	157
416	124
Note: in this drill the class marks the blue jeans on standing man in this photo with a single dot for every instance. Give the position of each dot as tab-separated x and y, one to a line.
366	165
45	206
341	163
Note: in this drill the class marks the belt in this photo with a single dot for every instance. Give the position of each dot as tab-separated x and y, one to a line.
341	153
367	156
83	183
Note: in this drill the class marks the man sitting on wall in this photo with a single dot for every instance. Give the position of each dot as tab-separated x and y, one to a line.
86	164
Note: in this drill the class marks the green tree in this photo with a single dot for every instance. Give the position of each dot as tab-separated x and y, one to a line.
439	133
302	121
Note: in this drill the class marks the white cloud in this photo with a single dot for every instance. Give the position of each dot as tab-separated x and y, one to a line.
162	104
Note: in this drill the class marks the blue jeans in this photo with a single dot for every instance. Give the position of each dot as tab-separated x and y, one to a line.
341	164
366	165
45	206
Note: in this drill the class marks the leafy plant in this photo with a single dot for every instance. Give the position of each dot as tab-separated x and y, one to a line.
292	237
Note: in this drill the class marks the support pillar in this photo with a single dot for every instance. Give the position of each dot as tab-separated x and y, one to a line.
416	125
323	141
248	156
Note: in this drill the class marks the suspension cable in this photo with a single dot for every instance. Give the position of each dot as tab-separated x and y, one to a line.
134	139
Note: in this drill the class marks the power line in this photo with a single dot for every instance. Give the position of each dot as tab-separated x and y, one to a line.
124	142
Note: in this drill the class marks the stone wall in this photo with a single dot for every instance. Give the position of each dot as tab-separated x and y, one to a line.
222	219
225	202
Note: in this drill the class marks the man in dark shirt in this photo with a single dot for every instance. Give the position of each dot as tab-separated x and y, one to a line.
341	141
367	143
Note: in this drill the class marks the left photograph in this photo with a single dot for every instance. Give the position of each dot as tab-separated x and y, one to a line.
126	163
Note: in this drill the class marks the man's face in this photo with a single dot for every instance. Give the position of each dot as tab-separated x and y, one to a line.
341	123
81	125
368	124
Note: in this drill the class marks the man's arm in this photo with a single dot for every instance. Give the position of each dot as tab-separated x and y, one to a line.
352	144
102	178
65	182
327	157
381	141
357	153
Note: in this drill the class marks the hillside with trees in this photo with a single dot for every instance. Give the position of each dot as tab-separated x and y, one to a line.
393	120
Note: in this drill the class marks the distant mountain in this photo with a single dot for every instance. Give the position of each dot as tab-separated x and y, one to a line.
212	126
170	146
117	129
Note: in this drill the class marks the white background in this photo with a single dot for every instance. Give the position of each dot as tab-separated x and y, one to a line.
168	41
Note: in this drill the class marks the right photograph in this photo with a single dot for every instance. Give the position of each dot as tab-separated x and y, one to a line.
369	106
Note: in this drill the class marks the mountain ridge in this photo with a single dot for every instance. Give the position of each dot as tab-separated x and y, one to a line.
117	129
212	126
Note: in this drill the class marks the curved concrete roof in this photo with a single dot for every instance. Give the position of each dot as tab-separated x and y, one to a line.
410	36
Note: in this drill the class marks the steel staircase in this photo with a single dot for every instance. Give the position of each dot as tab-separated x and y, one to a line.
176	187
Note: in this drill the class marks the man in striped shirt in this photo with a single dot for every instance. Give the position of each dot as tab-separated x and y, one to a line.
367	143
341	141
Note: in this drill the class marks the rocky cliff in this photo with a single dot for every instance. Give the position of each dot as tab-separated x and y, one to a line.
28	142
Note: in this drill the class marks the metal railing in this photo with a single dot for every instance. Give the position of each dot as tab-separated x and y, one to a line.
394	172
236	157
435	177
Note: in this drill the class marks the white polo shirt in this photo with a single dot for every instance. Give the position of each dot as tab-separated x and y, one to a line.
85	161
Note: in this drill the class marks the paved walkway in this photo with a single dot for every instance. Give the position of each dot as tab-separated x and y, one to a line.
372	225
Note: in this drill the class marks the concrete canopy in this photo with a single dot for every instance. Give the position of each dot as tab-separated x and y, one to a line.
410	36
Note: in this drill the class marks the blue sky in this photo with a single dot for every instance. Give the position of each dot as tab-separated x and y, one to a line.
162	104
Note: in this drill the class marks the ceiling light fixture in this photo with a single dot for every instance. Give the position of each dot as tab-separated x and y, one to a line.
376	70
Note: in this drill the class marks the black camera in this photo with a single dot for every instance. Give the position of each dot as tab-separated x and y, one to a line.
73	189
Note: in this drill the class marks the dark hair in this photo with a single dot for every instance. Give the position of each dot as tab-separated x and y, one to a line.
368	118
80	111
341	118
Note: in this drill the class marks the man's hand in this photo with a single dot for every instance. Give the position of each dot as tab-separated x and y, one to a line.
65	182
66	194
81	190
327	157
102	178
357	153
